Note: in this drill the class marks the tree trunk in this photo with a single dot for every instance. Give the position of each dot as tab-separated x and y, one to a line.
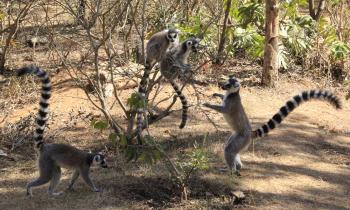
81	10
270	70
219	58
316	15
2	63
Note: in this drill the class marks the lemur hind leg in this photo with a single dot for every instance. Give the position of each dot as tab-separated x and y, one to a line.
46	172
56	176
235	144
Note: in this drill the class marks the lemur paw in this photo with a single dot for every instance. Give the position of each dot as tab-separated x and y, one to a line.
56	194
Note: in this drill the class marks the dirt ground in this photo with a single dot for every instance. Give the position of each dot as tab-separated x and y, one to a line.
304	164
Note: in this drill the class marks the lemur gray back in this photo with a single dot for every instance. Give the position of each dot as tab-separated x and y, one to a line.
156	48
174	63
159	43
175	60
234	113
54	156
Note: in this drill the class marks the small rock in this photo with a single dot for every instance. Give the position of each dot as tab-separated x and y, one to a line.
109	90
2	153
35	41
238	196
277	154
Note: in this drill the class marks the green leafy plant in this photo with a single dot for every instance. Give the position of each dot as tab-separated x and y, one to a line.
248	40
99	125
339	50
136	101
251	12
297	35
187	164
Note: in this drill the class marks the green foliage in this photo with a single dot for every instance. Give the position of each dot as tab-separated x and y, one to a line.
339	50
291	8
283	57
249	40
149	152
99	125
113	138
251	12
136	101
191	161
193	28
297	35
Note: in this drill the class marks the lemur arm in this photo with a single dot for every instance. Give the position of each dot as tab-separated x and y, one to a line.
219	95
217	108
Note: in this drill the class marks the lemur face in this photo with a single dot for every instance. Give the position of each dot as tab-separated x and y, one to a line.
232	85
193	44
172	35
101	160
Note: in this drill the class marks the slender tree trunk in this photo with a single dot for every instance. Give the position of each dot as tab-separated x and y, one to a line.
81	10
219	58
316	15
2	63
270	70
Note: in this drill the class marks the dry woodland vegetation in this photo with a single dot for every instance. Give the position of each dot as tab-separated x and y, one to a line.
93	52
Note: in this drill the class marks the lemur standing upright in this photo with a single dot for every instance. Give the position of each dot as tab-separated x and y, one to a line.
156	48
174	64
236	117
54	156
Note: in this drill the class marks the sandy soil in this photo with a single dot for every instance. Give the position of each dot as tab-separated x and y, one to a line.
304	164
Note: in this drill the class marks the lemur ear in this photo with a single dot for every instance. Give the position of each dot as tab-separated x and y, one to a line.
198	40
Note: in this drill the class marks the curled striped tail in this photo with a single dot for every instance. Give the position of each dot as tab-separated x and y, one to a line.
43	104
292	104
184	103
142	92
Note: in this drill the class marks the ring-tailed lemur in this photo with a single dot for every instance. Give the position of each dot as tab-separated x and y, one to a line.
54	156
236	117
156	48
174	64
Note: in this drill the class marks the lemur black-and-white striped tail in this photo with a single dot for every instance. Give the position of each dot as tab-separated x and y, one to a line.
43	104
292	104
183	101
142	92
